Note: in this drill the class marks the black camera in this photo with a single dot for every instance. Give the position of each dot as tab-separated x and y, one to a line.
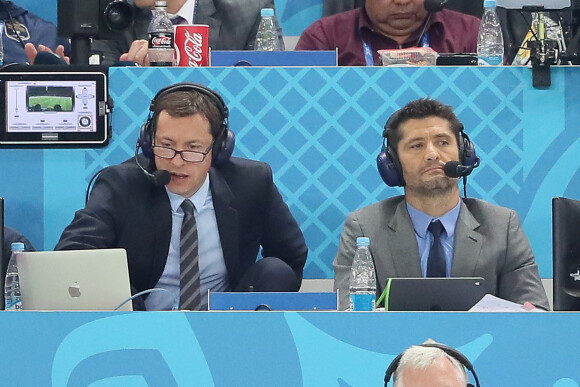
81	20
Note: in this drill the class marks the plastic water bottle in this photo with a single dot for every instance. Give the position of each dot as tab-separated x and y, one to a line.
1	43
489	38
267	35
12	300
363	283
161	36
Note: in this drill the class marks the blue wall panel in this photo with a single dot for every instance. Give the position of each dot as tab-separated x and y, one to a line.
320	129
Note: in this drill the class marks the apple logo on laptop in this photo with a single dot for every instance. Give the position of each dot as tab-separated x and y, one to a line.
74	290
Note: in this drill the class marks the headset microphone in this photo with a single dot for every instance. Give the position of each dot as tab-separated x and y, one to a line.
433	6
455	169
159	177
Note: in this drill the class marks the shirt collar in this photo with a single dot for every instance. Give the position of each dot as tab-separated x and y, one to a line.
198	199
421	220
435	25
186	11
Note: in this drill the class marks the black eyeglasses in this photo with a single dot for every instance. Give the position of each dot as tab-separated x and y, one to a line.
187	155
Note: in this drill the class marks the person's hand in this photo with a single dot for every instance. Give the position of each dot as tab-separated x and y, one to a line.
137	53
31	52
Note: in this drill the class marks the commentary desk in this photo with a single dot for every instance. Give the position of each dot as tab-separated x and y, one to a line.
277	348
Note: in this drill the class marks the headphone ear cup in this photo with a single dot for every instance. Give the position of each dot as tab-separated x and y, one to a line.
223	148
467	151
146	139
390	168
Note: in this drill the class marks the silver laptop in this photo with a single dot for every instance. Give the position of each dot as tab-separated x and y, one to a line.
74	280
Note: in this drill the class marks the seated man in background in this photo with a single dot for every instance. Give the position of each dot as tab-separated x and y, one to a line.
476	238
26	33
430	364
232	26
390	24
11	236
192	210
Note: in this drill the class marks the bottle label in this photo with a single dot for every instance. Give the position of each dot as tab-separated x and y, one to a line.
13	304
362	301
494	60
161	40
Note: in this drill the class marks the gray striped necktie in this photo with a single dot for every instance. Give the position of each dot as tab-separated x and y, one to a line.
189	295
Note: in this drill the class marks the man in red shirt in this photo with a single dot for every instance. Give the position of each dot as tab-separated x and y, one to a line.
390	24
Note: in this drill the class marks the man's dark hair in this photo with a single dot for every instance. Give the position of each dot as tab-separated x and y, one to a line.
418	109
189	103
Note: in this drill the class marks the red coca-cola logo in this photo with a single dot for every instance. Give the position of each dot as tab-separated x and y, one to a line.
193	47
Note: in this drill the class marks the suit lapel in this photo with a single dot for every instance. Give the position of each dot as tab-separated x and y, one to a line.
398	246
227	218
404	249
205	15
161	219
468	243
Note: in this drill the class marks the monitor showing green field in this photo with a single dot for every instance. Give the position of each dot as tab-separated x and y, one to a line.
49	98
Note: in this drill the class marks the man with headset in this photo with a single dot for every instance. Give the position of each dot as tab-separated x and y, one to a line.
431	364
236	207
476	239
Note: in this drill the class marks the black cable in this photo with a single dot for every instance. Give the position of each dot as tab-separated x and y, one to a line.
90	183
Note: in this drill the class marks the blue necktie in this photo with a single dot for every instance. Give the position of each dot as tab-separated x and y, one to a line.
189	294
436	261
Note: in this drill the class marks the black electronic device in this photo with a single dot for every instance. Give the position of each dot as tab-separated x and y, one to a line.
65	108
566	253
81	20
459	59
432	293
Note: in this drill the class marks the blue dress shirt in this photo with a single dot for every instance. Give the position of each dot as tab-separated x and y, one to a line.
425	239
212	267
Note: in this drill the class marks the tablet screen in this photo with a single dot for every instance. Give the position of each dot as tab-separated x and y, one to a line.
54	108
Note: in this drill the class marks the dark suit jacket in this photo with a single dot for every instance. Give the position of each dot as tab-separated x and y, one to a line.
489	243
126	210
232	26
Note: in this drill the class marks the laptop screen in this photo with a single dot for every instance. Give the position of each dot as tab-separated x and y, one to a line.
433	294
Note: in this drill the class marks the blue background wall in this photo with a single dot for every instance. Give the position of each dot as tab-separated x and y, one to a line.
294	15
320	129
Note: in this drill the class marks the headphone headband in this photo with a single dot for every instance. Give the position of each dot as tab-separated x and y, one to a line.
390	167
452	352
224	140
191	86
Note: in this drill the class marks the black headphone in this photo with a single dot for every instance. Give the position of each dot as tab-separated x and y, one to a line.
390	167
225	140
461	358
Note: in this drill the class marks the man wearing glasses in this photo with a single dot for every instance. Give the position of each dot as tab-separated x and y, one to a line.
235	205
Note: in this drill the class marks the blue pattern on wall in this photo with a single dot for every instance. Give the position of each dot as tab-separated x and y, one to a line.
320	129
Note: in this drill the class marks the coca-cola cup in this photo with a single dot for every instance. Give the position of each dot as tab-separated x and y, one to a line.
191	45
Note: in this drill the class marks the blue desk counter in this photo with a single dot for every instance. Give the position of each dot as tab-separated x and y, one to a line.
277	348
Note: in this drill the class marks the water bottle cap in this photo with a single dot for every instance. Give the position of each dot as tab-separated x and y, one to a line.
363	241
161	3
17	246
267	12
488	3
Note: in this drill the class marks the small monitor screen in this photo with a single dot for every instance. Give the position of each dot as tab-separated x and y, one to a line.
53	108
